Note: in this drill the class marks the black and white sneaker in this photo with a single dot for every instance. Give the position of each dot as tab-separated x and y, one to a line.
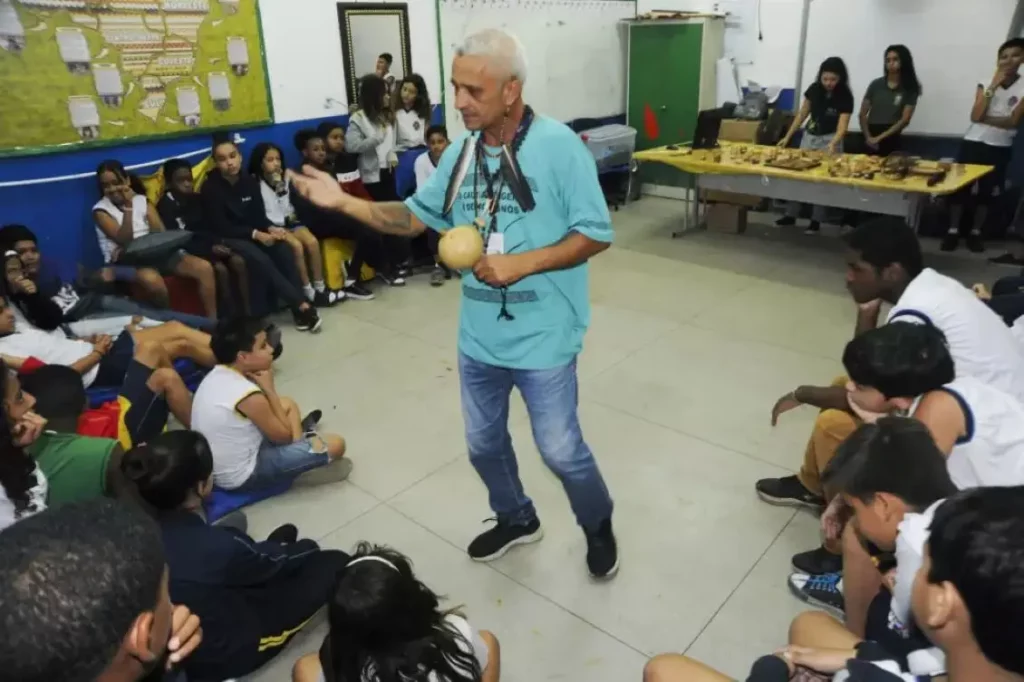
310	422
494	543
824	591
788	491
328	298
392	279
602	552
307	320
358	292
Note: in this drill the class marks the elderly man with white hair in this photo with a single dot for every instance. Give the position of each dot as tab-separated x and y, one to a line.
529	185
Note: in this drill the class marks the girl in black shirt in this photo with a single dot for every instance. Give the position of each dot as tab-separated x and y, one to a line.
827	106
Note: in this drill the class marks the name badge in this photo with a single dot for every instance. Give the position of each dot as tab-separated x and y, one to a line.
495	244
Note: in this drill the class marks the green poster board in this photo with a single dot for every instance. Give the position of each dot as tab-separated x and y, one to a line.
91	72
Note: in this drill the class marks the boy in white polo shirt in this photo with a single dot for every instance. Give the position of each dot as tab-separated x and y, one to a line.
426	163
256	436
884	265
995	117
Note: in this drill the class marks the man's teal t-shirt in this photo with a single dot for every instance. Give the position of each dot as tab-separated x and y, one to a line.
551	309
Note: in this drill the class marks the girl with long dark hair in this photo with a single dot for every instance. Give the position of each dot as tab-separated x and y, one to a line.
387	626
124	214
827	106
371	135
23	486
412	112
252	597
889	102
267	164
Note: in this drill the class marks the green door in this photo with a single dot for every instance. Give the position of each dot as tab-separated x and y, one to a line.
664	80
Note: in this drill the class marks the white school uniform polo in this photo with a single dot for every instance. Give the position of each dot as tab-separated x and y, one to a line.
234	439
992	451
49	348
140	224
981	344
278	206
1002	104
410	128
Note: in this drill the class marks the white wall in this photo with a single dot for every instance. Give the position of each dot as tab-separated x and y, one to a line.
303	51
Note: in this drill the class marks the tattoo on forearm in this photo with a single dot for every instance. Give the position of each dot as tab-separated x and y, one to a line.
392	217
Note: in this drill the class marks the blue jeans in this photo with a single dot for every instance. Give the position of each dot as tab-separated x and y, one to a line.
119	305
275	462
551	397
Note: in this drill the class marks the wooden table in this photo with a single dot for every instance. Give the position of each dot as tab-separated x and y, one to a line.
901	197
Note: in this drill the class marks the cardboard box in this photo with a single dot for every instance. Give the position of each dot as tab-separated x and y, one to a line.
727	218
735	130
739	130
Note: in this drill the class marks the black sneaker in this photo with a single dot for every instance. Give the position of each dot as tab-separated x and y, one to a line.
286	534
787	491
814	227
602	552
310	421
824	591
358	292
437	277
785	221
392	279
274	339
1007	259
975	243
307	320
817	562
328	298
494	543
950	242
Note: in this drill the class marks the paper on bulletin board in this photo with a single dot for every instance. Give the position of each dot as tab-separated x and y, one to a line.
740	29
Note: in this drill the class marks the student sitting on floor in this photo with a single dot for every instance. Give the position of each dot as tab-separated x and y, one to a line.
80	467
123	214
412	113
267	164
252	597
995	116
23	485
233	207
387	625
904	368
258	437
180	208
426	164
884	264
81	304
963	594
84	589
132	359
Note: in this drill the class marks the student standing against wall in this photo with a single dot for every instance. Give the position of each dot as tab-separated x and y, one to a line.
997	111
889	102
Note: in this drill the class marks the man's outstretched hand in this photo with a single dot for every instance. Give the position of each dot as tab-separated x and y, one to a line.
318	187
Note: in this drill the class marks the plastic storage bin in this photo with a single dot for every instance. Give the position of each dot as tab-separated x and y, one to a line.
611	145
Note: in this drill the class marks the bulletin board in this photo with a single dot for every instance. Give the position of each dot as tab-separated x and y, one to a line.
575	51
76	73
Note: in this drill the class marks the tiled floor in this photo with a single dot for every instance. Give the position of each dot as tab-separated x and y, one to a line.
692	341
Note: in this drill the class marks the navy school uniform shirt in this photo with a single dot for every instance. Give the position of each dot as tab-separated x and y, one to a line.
233	211
826	108
211	571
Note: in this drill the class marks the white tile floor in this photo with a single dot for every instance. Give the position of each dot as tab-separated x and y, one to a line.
692	341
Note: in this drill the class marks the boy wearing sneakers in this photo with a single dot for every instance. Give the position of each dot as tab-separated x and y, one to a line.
258	437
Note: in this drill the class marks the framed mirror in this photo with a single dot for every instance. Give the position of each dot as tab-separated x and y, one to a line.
367	31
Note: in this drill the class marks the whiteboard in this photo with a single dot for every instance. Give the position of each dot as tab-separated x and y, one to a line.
953	42
575	52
